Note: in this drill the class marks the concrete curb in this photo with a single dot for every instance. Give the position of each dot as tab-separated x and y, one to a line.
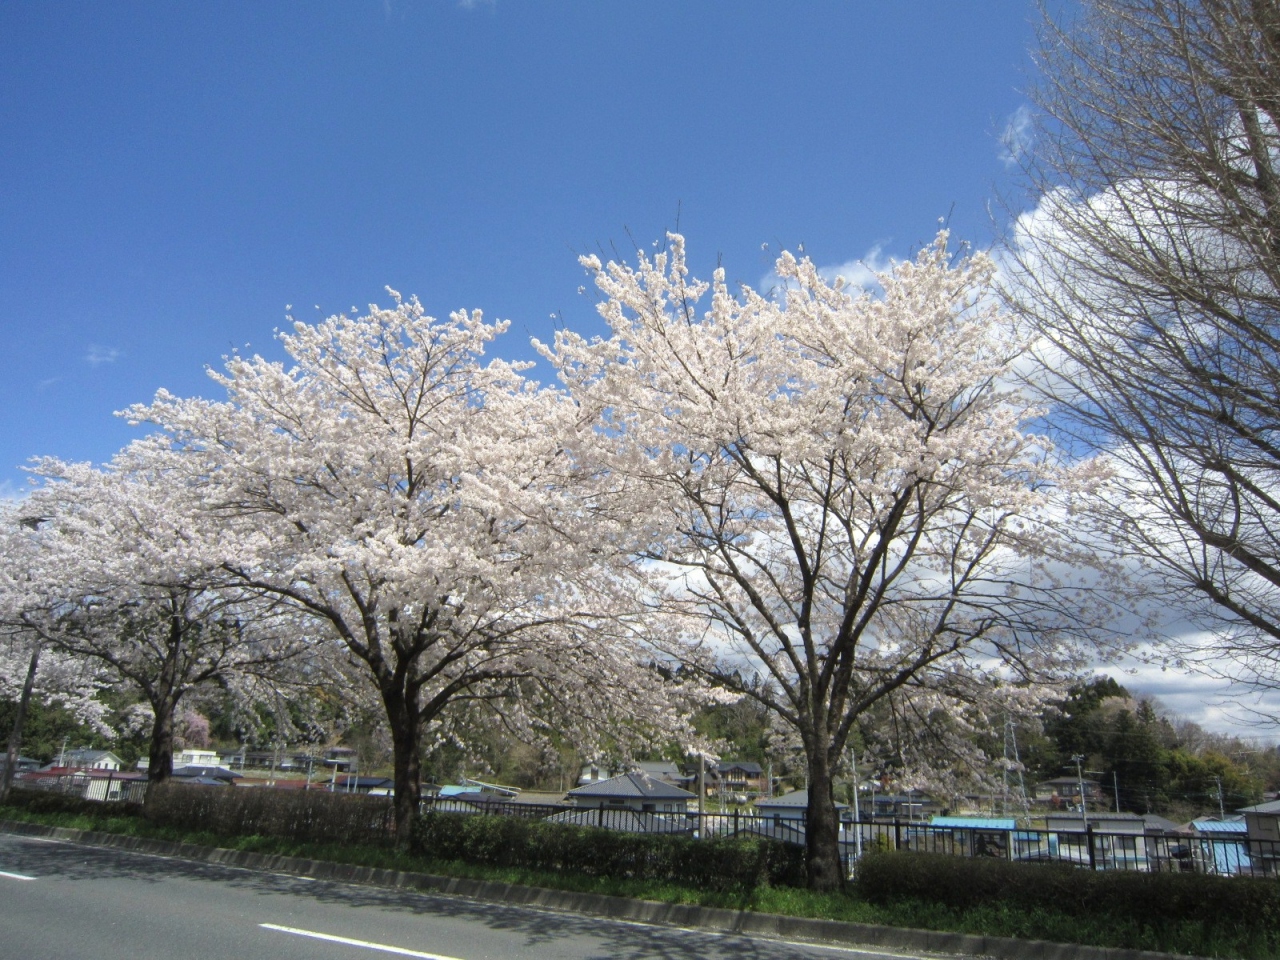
600	905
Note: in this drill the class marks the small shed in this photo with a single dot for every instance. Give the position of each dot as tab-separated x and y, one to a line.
1220	846
975	836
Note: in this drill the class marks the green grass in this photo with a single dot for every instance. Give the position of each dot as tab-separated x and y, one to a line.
992	919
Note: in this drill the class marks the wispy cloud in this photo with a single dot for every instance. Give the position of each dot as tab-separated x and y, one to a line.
1017	137
861	273
477	4
97	355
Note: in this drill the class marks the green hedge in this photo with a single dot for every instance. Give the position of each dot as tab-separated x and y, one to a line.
301	815
48	801
963	883
722	863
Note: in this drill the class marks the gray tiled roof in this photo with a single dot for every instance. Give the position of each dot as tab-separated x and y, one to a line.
1271	807
794	799
746	766
635	785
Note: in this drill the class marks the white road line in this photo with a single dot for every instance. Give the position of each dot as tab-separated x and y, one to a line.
15	876
400	951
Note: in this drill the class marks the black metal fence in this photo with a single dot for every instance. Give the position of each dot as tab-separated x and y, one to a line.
1221	854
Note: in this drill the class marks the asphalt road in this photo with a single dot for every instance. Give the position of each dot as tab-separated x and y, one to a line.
64	901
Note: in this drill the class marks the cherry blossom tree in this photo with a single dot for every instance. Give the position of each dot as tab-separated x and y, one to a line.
27	668
419	507
843	502
124	581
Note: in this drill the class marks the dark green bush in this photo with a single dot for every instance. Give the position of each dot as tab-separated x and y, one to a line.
722	863
46	801
301	815
963	883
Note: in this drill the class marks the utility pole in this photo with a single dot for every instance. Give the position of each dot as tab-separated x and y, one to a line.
1115	783
857	814
702	794
1222	813
1013	761
1078	760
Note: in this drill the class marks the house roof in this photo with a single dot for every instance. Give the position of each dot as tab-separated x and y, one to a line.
632	785
977	823
1066	781
1097	817
201	770
796	799
456	790
90	756
1219	826
746	766
492	788
1270	807
364	783
788	831
660	768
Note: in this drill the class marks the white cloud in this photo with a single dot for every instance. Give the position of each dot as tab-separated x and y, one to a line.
97	355
860	273
1017	137
11	491
1215	704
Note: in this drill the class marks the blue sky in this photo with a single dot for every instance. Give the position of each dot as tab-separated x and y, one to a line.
174	175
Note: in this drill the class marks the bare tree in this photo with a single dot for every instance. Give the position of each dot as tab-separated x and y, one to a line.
1151	268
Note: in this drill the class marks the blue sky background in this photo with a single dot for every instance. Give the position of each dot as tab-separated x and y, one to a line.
172	176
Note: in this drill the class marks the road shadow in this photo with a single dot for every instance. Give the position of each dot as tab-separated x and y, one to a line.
616	940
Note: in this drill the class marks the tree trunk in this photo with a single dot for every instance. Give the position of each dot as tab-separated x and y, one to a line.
19	718
164	696
822	829
160	756
405	719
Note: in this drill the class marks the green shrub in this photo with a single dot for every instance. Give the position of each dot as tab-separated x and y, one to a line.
1147	900
722	863
301	815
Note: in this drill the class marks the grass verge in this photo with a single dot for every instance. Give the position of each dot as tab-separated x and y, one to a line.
994	919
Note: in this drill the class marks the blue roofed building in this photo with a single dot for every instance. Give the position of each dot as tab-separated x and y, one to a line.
1220	847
